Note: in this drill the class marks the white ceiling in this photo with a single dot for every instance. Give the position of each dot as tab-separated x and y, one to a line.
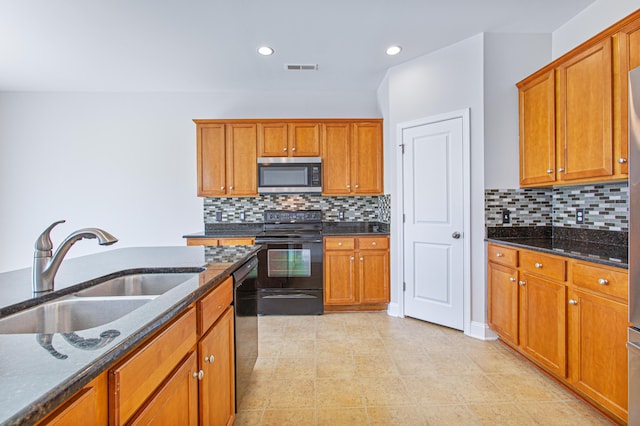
210	45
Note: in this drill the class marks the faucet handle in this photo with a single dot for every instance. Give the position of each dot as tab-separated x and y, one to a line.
43	243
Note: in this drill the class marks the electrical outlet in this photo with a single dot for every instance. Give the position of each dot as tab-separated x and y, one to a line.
340	214
219	216
579	216
506	216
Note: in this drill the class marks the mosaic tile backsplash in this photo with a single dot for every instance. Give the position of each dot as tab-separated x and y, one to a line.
606	206
356	209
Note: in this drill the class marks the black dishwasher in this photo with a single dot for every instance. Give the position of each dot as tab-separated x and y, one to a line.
245	301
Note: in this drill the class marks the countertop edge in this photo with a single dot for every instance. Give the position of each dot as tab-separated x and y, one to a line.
571	255
41	407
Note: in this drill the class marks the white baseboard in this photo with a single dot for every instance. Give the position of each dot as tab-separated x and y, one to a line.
393	309
481	331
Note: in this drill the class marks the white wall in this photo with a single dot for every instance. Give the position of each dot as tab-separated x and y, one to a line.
595	18
508	58
447	80
122	162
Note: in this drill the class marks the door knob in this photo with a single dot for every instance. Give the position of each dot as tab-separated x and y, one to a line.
456	235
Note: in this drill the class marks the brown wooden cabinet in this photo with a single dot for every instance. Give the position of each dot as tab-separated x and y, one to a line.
568	316
573	112
224	153
289	139
220	241
216	360
352	158
87	407
356	273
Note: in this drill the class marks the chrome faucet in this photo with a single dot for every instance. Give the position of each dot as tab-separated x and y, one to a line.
45	265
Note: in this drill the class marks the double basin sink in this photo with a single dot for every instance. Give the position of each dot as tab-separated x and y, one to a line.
94	306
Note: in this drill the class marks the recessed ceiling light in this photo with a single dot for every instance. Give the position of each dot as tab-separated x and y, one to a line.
265	50
393	50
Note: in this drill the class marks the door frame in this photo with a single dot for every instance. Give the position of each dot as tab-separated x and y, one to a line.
398	223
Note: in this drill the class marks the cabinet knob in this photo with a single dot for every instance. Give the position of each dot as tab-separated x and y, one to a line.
284	149
362	258
549	171
522	282
513	280
231	188
357	186
353	258
348	186
374	243
560	170
293	149
222	188
340	244
622	160
538	265
573	302
198	374
499	254
455	235
602	281
209	359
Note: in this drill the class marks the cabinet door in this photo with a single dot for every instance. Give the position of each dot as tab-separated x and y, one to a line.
87	407
242	166
373	275
585	136
273	140
537	131
543	322
627	57
211	155
339	278
503	301
366	160
598	353
176	402
217	387
304	139
336	159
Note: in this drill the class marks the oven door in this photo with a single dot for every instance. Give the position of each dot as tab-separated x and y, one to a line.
288	265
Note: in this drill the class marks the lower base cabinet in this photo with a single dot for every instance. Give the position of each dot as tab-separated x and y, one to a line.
572	325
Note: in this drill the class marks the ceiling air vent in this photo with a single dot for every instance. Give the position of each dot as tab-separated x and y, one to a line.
301	67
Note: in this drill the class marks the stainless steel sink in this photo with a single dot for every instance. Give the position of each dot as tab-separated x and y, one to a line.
70	314
137	285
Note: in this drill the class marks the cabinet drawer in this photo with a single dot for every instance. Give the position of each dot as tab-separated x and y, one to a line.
373	243
135	379
339	243
503	255
546	266
211	306
603	280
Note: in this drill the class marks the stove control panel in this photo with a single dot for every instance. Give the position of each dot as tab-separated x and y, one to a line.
290	216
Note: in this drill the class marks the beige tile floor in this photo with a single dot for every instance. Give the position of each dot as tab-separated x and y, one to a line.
373	369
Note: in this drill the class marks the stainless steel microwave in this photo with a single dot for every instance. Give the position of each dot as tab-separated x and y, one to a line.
289	175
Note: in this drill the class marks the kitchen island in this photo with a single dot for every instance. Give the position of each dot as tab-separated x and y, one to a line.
36	378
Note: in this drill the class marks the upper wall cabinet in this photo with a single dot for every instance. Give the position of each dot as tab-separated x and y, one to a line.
289	139
227	151
227	159
573	112
352	158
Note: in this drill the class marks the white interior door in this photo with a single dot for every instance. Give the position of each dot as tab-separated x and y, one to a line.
433	234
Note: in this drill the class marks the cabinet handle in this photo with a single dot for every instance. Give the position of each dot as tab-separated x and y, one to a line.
513	280
538	265
560	170
602	281
522	282
198	374
499	254
209	359
573	302
293	149
549	171
622	160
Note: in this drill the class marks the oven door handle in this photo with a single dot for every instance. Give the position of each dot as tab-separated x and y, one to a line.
284	241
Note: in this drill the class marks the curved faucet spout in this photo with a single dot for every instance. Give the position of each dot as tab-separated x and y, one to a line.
45	265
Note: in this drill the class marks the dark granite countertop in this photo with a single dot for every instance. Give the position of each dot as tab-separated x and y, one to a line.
250	230
34	381
604	247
